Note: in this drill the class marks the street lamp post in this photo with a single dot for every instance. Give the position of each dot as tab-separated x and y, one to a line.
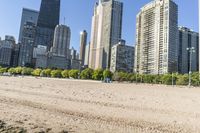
172	79
191	51
136	75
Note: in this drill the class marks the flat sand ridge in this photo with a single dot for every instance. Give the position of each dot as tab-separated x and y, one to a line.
54	105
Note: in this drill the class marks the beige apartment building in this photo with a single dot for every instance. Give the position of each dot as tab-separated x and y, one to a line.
106	32
156	38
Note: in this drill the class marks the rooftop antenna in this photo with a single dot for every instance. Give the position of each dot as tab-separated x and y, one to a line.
64	20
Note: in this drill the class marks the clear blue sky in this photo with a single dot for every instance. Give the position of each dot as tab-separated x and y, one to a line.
78	15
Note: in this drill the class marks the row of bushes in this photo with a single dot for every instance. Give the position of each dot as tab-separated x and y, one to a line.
167	79
99	74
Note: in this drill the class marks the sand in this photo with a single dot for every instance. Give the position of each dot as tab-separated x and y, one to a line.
75	106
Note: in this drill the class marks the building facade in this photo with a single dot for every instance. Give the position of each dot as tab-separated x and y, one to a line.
48	19
27	45
6	50
52	61
59	55
75	63
28	15
73	54
122	58
105	32
87	53
61	41
199	32
83	43
188	39
15	56
156	38
40	56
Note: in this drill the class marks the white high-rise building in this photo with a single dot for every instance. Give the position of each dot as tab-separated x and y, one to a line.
83	43
156	38
61	41
87	53
106	32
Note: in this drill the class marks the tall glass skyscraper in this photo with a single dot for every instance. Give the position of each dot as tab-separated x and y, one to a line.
187	39
26	46
49	14
28	15
48	19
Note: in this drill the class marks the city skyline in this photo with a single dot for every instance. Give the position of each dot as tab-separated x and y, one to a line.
74	17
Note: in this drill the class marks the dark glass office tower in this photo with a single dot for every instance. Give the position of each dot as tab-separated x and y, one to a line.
49	13
48	19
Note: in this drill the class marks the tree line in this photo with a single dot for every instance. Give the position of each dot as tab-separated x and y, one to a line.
100	74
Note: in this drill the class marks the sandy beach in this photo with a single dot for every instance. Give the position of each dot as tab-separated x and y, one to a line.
73	106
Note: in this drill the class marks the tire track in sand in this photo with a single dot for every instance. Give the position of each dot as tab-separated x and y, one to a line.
94	120
101	103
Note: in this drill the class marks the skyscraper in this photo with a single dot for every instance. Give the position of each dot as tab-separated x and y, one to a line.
27	44
187	39
61	41
106	32
87	53
28	15
75	62
59	55
83	43
156	38
6	49
15	55
49	16
73	53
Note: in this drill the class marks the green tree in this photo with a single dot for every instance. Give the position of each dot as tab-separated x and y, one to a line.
157	79
26	71
56	73
131	77
140	78
148	79
107	74
18	70
36	72
120	76
46	73
87	73
65	74
3	70
11	70
195	79
97	74
74	74
167	79
182	79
